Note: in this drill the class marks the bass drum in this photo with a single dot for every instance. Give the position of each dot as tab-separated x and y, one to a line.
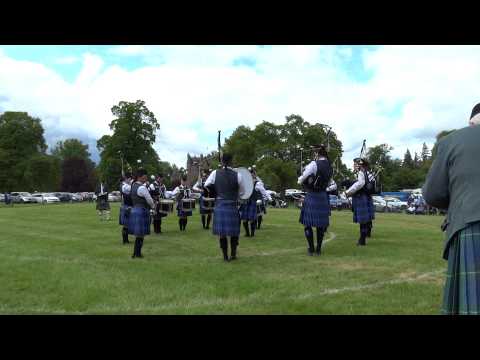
248	181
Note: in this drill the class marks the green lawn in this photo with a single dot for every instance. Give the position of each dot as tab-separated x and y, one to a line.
60	259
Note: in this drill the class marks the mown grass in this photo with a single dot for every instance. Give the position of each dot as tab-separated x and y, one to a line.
60	259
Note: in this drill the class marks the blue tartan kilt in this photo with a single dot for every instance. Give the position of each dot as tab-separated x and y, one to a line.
363	209
248	211
315	210
203	211
139	221
461	294
226	218
124	215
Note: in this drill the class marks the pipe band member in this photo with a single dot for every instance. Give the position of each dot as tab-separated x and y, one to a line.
182	192
362	202
452	185
315	210
126	205
265	197
200	188
103	206
228	186
139	220
157	191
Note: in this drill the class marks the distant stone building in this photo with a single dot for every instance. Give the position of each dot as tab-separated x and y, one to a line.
193	163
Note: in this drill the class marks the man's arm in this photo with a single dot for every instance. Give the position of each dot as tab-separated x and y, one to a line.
435	190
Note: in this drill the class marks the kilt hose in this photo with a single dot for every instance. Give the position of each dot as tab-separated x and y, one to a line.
139	221
226	218
462	287
315	210
248	211
363	209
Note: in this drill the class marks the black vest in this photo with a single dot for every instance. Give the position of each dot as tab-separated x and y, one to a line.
226	184
256	194
138	201
127	199
324	172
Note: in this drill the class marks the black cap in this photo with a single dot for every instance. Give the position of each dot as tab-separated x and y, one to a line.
475	111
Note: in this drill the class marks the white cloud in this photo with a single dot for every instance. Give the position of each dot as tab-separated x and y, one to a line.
195	90
66	60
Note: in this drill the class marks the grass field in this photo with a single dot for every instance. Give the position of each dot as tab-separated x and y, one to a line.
60	259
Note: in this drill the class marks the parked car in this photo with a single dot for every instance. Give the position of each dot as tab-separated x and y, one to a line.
23	197
75	197
114	196
46	198
396	203
292	192
64	197
334	203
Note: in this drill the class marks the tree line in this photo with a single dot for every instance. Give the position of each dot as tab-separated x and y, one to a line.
277	150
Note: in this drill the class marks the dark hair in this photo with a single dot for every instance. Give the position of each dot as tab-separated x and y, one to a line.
227	159
184	177
140	172
160	176
128	175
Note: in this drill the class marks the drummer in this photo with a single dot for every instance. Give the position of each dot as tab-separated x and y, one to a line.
205	212
264	196
182	192
157	190
229	186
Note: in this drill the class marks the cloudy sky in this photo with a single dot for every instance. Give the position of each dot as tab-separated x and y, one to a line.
400	95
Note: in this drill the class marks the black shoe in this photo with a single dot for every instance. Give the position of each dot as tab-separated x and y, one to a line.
226	259
310	252
133	256
234	257
318	251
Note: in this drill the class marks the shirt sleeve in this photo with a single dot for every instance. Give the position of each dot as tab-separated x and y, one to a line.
357	185
211	179
259	186
311	169
126	189
143	192
175	191
196	187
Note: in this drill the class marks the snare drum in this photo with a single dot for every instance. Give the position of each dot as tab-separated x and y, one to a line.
165	206
188	204
208	203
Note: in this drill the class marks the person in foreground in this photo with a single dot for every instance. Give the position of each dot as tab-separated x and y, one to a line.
139	219
452	183
229	186
316	207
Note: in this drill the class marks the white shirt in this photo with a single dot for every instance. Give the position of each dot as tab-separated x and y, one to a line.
142	191
241	183
198	186
310	169
358	185
260	187
126	188
177	190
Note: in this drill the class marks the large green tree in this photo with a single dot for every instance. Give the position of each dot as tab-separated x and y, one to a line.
278	151
134	132
71	148
23	159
